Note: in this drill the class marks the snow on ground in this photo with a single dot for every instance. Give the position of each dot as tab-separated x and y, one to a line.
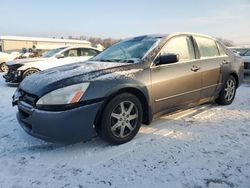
207	146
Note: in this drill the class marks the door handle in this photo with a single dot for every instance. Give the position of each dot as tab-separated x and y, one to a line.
225	62
195	68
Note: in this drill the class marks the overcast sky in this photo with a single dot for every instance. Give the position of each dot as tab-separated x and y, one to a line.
125	18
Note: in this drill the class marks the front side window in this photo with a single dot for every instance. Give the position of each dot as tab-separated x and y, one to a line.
127	51
207	47
181	46
71	53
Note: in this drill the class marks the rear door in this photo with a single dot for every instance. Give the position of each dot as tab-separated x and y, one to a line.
176	84
211	63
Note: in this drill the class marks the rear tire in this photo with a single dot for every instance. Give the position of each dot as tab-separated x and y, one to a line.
4	67
228	92
121	119
29	72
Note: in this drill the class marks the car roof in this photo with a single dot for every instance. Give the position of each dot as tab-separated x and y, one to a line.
161	36
78	46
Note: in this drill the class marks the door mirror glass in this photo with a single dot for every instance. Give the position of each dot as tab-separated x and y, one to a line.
167	59
59	56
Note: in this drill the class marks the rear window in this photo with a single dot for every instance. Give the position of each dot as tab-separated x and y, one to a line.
247	53
207	47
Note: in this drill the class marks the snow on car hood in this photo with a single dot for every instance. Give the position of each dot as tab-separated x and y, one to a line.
53	62
26	60
60	75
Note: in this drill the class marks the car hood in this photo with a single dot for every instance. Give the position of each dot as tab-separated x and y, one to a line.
26	60
58	77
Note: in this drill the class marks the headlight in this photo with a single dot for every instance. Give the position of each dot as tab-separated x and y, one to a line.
67	95
18	73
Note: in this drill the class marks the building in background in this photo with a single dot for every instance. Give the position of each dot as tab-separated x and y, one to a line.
17	43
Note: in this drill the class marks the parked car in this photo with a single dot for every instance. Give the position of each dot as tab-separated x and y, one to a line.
21	68
4	57
128	84
245	54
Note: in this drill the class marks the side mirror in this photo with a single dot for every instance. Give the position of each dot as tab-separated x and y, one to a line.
167	59
59	56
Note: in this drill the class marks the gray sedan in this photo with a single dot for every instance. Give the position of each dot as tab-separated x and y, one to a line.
128	84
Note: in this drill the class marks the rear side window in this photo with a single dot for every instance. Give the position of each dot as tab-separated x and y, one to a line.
181	46
207	47
88	52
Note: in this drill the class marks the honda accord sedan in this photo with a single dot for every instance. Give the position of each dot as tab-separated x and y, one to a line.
130	83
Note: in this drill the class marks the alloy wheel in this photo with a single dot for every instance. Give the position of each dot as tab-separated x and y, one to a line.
229	90
124	119
30	73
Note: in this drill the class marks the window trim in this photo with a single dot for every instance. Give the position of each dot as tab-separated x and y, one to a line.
219	45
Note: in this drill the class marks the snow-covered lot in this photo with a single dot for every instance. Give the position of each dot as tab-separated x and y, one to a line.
208	146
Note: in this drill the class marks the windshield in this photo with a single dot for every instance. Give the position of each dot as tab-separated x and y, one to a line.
53	52
127	51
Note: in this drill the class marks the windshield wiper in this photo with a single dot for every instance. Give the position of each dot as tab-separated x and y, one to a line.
132	60
108	60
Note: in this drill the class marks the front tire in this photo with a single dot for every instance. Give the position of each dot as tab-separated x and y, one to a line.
228	92
4	67
121	119
29	72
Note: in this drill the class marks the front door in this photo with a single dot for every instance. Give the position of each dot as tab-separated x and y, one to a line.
176	84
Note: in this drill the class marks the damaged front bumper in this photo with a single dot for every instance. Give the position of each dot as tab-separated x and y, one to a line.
64	126
13	77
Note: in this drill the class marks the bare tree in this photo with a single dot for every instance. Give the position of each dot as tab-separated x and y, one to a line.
97	40
226	42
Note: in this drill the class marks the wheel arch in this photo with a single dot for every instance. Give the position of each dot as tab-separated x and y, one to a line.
147	112
29	69
2	63
235	77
